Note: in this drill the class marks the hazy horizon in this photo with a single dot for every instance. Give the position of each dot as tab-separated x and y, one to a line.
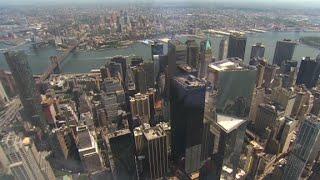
249	3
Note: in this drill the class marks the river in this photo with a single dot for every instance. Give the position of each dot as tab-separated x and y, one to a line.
81	61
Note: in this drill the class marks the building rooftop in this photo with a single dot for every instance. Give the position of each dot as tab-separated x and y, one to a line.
228	123
229	64
153	133
119	133
190	81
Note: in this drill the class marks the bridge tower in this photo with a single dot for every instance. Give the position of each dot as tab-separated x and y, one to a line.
55	63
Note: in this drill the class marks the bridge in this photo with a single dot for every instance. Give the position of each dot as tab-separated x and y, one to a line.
56	62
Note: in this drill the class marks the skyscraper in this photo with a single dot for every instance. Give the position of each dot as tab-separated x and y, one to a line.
226	77
156	151
223	48
187	111
26	86
177	54
140	78
284	51
192	53
140	106
237	46
228	134
309	72
305	145
152	147
88	150
121	144
205	57
22	158
257	51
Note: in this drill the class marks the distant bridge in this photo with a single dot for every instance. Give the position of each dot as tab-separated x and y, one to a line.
56	62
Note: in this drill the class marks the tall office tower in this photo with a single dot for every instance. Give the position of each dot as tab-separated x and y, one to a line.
140	78
309	72
140	107
237	46
152	147
270	72
149	71
177	54
223	49
123	61
187	111
152	100
285	97
156	151
65	147
3	95
209	118
257	51
121	144
304	147
88	150
156	48
316	103
258	98
260	74
228	133
289	72
227	76
205	57
284	51
192	53
266	118
26	86
23	160
114	70
8	82
303	103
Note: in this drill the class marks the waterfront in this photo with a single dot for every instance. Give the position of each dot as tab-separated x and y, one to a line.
84	61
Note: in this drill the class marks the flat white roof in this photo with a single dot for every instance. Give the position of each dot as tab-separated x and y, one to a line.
228	123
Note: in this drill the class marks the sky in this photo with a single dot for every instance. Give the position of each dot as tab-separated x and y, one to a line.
280	3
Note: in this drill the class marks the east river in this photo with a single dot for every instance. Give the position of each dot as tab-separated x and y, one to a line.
84	61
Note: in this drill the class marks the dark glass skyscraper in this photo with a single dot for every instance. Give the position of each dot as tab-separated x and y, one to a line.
237	46
309	72
192	53
187	112
257	51
284	51
29	96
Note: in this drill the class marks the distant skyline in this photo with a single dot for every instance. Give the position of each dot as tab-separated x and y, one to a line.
249	3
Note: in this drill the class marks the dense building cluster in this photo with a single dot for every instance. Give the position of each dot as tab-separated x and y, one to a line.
185	114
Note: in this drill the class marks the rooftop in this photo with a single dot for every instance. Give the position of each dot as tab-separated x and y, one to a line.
228	123
153	133
229	64
190	81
